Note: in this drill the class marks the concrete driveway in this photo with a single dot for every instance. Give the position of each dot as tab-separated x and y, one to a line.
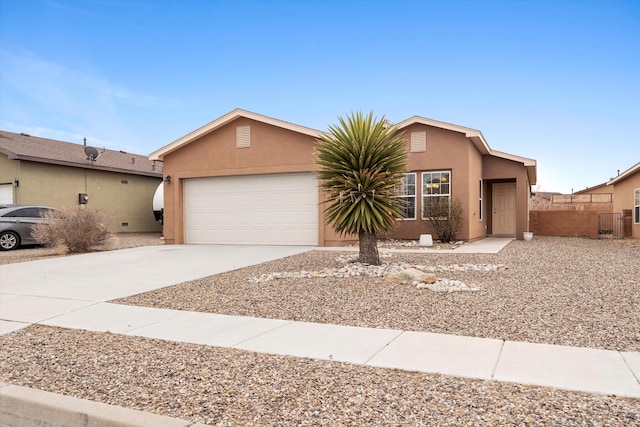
32	292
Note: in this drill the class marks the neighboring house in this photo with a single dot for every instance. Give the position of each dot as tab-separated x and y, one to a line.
247	178
596	189
626	196
59	174
541	200
597	198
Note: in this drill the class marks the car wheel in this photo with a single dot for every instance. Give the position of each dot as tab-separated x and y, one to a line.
9	240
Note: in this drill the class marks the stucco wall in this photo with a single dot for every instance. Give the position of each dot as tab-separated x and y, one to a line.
277	150
130	202
9	172
273	150
477	220
59	186
623	199
452	152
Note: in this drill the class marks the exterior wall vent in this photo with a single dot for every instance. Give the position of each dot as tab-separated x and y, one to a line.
418	142
243	137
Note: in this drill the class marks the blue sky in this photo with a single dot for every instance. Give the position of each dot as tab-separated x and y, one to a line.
557	81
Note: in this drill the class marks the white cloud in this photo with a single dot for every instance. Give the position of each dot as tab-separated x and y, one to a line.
68	103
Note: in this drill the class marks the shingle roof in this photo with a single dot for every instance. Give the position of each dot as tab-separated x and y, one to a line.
31	148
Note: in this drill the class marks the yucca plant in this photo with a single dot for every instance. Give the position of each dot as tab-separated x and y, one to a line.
361	161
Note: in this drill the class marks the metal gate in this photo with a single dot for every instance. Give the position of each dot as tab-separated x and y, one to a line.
610	226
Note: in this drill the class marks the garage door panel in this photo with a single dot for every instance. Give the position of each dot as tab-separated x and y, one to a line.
254	209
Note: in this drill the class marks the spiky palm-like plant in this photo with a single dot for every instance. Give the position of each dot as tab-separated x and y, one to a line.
361	161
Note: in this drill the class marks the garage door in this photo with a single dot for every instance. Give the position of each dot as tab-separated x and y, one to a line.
277	209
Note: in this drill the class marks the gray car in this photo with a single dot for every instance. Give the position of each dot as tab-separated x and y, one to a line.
16	222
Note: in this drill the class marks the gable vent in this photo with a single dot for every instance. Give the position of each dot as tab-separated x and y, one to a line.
243	137
418	142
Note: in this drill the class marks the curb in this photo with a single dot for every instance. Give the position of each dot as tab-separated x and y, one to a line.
25	407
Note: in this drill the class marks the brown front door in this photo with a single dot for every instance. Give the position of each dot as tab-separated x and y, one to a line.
503	199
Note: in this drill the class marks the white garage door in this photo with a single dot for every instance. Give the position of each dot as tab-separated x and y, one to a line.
277	209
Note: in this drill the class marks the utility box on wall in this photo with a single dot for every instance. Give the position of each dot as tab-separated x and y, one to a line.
83	198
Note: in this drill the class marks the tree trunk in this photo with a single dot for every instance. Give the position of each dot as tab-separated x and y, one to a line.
368	248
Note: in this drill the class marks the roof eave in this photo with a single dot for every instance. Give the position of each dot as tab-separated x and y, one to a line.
532	174
624	175
159	154
529	164
594	187
473	134
10	154
88	166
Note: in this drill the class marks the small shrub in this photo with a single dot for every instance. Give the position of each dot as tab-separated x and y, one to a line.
444	218
73	230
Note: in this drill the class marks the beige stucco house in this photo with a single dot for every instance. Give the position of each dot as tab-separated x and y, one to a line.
247	178
59	174
626	196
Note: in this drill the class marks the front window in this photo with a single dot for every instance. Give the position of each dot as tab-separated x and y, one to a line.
407	192
436	194
636	206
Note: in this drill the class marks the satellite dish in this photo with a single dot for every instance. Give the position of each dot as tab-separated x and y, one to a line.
92	153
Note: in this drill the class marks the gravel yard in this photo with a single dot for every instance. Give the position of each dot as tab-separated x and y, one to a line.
562	291
567	291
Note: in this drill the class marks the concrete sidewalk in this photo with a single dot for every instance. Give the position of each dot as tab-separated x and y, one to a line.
569	368
72	292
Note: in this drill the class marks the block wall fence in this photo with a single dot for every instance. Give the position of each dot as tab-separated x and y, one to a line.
568	223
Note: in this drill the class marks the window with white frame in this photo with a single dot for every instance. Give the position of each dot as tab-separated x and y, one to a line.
636	206
480	199
407	192
436	193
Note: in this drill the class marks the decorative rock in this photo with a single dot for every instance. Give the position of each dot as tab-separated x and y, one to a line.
446	285
413	275
426	240
420	276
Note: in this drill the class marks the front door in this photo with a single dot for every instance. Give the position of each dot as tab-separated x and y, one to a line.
504	208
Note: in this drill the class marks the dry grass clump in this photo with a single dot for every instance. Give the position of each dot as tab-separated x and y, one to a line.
74	230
